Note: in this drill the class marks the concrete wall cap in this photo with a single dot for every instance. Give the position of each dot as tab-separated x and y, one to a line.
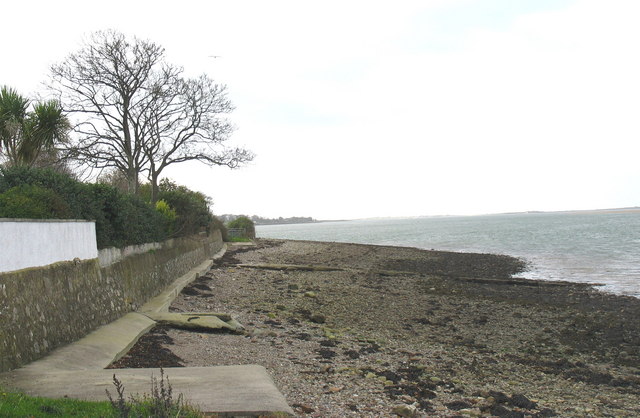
43	220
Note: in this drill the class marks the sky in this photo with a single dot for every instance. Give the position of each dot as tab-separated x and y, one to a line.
359	109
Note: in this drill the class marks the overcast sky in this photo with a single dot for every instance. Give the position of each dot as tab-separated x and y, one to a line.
388	108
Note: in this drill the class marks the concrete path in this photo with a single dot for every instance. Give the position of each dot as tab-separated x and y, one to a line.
78	369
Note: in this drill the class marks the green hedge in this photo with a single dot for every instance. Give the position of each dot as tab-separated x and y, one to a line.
121	219
191	207
245	223
30	201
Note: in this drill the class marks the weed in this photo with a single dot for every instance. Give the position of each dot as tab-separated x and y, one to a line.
120	406
160	403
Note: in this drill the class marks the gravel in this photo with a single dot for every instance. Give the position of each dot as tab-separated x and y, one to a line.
406	332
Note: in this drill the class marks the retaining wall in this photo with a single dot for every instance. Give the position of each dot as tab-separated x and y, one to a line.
32	243
47	307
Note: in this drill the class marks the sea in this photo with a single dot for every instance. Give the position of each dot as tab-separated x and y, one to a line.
587	246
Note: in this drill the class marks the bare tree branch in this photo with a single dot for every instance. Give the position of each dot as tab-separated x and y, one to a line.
138	114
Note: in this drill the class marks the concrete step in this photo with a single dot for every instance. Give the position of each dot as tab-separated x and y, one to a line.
245	390
78	369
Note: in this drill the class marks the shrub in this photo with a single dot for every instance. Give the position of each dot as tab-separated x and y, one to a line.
142	221
245	223
74	193
168	214
192	208
33	202
121	219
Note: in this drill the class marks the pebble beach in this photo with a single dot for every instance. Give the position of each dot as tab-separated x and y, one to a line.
363	330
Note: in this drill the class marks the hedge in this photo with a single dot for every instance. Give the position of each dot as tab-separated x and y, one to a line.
121	219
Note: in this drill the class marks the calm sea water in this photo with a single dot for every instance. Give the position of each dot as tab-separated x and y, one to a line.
582	247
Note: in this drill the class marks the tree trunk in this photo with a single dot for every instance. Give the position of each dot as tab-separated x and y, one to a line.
154	188
132	182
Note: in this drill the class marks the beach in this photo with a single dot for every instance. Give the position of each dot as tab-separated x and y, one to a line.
363	330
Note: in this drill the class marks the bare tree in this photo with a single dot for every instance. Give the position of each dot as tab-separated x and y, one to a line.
185	122
138	114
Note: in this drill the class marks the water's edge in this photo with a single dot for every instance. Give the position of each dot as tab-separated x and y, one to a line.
586	248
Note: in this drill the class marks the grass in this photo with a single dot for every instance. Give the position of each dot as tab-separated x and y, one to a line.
20	405
240	239
160	403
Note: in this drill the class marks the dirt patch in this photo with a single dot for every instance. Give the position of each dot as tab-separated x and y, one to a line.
151	351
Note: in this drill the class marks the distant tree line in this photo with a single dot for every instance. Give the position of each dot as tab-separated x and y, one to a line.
258	220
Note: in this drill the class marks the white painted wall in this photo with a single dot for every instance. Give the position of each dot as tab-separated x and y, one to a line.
34	243
111	255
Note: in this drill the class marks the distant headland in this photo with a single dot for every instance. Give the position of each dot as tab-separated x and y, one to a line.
258	220
631	209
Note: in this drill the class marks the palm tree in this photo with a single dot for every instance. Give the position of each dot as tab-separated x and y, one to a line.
25	135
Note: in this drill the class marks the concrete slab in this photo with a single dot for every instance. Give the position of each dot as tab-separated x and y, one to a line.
77	370
162	302
232	390
98	349
196	321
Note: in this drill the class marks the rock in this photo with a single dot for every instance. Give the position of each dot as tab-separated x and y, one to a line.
546	412
470	412
352	354
499	397
328	369
522	401
326	353
257	332
405	410
458	405
499	411
304	408
328	343
317	318
486	404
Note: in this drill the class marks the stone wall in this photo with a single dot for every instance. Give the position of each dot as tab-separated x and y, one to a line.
39	242
46	307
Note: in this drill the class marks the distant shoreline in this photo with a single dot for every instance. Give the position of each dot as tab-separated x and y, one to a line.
631	209
303	223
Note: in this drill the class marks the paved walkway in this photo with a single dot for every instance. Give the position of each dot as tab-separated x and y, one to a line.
78	369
